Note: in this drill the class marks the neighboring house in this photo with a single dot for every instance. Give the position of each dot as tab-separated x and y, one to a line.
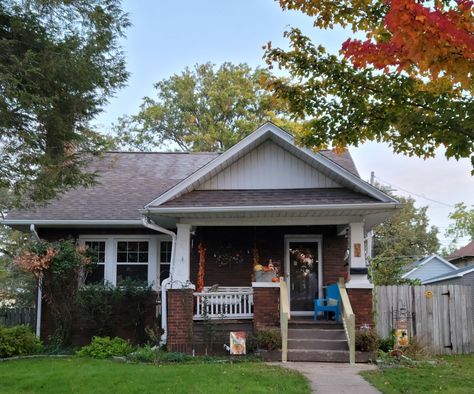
265	198
463	256
462	276
428	267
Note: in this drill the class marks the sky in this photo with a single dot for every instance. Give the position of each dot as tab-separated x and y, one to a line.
168	35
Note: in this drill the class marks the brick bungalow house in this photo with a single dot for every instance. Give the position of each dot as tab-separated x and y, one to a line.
265	201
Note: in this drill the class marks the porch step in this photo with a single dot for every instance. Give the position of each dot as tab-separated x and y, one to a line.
318	344
311	324
316	333
330	356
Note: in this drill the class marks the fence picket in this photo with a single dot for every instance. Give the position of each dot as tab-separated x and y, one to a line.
438	319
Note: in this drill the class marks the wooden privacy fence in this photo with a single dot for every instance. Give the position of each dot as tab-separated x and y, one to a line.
439	316
16	316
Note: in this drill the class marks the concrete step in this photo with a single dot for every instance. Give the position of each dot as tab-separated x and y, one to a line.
316	333
318	344
329	356
310	324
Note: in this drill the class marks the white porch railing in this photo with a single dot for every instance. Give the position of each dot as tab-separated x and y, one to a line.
224	303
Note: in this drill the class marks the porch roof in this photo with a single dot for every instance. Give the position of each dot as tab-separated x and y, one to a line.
269	197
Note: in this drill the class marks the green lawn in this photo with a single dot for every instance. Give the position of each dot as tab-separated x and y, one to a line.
454	374
76	375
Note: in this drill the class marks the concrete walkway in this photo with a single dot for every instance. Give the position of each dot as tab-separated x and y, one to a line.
334	378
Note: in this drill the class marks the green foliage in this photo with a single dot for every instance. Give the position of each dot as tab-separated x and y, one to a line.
386	345
59	63
463	225
268	339
366	341
60	277
400	241
105	307
18	341
202	109
105	347
343	106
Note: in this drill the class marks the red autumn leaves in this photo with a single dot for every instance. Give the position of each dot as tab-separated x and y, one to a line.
435	41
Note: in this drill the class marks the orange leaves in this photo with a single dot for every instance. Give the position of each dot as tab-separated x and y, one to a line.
435	42
35	263
202	267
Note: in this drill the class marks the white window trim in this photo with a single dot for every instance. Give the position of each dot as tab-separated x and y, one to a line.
111	240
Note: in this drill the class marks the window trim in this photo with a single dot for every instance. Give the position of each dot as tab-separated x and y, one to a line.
84	241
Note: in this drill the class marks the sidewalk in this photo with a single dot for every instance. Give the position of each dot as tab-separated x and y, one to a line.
334	378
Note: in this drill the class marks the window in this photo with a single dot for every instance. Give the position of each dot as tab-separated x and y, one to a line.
165	259
97	249
132	261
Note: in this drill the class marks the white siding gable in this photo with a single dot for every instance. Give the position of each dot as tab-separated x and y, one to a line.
432	268
268	166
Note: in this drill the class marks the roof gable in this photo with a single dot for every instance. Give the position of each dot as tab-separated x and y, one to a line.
270	137
420	266
268	166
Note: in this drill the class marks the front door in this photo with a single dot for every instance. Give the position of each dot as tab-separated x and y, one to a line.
303	272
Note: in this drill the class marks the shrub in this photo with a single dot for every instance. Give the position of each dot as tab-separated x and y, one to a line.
18	341
366	341
106	307
386	345
143	354
105	347
269	339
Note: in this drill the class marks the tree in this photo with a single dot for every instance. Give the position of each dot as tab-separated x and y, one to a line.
59	62
463	225
203	109
401	240
382	95
15	285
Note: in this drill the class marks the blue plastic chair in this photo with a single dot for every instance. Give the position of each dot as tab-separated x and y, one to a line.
321	304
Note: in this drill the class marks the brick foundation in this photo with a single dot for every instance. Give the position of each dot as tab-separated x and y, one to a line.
180	320
361	301
266	307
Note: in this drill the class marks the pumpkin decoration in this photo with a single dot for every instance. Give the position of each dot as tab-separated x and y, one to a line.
275	279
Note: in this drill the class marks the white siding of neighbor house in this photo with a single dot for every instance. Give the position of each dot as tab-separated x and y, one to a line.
269	166
432	268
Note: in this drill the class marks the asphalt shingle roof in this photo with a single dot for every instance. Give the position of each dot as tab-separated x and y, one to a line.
128	181
465	251
262	197
459	272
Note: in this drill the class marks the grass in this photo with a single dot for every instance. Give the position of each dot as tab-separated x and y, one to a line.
79	375
453	374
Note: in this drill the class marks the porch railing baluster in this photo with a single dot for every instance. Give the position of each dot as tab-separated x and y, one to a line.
225	303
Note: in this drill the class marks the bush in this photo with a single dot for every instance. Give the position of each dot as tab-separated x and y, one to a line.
18	341
386	345
104	347
143	355
366	341
268	339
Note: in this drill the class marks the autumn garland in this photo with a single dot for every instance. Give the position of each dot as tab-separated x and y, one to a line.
202	266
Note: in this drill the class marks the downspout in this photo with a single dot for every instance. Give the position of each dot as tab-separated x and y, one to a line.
39	296
167	281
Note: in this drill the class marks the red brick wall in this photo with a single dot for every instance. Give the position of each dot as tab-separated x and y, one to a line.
334	249
180	320
361	301
266	307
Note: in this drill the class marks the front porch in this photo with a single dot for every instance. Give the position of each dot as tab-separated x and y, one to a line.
307	258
